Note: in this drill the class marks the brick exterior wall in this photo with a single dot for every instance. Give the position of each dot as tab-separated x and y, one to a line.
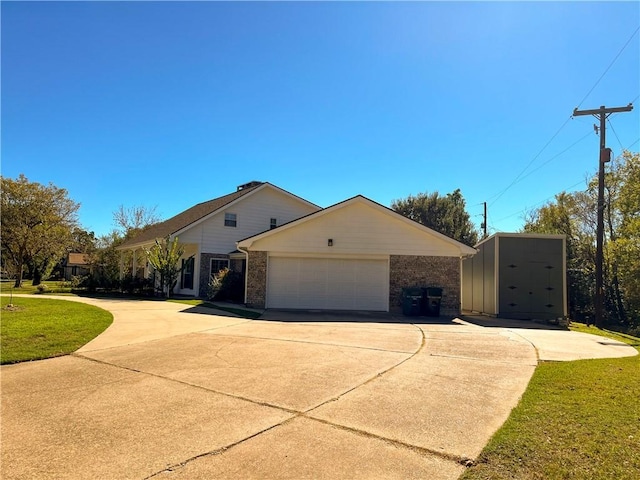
417	271
205	270
257	280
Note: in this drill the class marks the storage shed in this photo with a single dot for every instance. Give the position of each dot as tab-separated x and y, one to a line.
517	275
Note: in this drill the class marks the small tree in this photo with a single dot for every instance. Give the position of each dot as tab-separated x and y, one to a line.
164	257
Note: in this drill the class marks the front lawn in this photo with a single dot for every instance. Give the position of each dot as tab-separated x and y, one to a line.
577	420
38	328
49	286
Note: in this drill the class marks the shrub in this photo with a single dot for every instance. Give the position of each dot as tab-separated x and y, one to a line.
226	285
137	286
42	288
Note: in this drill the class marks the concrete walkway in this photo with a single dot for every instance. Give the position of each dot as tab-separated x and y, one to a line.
171	391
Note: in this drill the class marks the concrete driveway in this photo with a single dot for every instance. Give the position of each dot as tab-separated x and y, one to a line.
174	392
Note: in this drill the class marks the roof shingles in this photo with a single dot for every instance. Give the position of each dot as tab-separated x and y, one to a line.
184	219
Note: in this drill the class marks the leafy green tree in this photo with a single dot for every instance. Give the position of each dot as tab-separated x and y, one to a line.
105	261
574	214
446	215
622	227
164	257
37	225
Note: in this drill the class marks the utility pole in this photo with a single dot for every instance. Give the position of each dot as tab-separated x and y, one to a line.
484	224
602	114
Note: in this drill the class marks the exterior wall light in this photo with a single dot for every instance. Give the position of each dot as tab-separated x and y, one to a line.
330	242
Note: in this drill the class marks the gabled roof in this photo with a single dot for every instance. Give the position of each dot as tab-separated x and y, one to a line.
464	249
77	259
196	214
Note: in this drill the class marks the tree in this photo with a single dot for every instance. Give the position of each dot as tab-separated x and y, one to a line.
131	220
574	214
622	226
37	225
446	215
105	261
164	257
104	258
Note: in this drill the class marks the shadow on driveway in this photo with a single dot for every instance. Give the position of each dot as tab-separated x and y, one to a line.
485	321
336	316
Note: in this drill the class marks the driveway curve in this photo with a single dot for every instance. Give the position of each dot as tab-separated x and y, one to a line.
172	391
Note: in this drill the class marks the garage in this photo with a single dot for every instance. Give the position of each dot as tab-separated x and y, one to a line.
354	255
328	283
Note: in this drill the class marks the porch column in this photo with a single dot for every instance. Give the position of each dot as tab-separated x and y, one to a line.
121	264
133	265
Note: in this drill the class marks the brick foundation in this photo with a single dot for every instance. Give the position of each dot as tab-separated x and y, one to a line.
417	271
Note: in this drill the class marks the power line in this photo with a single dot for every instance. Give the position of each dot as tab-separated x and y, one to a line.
530	162
524	210
614	132
607	69
539	203
557	155
500	194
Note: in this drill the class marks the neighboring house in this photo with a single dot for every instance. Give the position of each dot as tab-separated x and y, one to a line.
75	265
210	230
355	255
517	275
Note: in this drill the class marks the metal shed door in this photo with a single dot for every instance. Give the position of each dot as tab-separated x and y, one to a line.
328	283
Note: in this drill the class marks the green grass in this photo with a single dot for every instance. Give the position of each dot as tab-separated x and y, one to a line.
49	286
621	337
42	328
577	420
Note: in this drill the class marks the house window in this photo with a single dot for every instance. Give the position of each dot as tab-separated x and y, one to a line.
186	280
218	264
274	223
230	220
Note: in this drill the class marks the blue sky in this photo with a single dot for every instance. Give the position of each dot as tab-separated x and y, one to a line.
168	104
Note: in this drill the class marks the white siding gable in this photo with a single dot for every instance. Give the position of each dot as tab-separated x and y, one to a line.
253	214
357	228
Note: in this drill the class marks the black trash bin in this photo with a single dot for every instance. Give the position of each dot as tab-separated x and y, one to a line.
411	301
431	298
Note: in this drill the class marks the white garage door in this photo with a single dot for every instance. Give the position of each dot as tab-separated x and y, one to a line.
328	283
